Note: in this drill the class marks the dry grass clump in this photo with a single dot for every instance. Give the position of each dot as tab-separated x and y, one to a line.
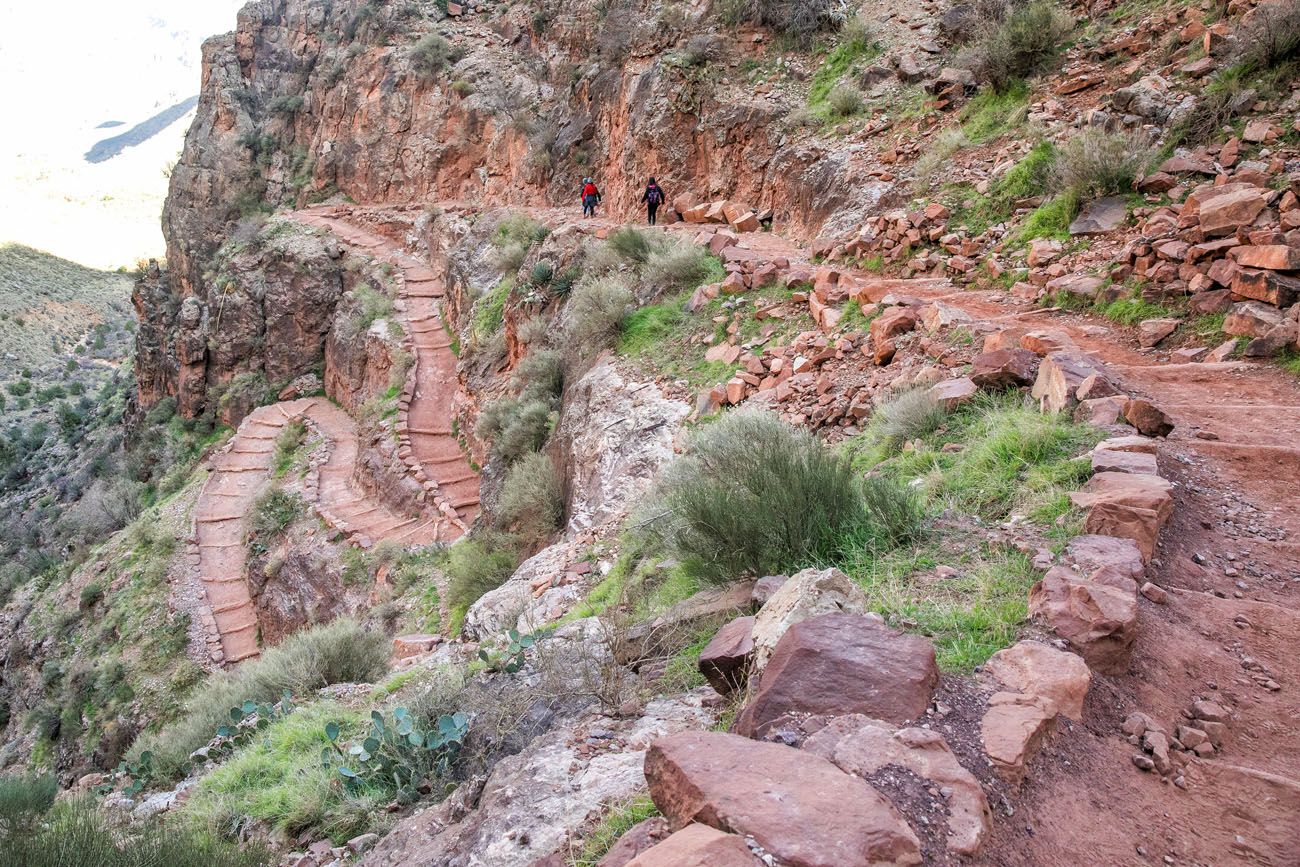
1097	163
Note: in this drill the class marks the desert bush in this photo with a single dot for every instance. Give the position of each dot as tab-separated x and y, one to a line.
461	87
940	152
338	652
532	498
90	595
476	565
1018	45
676	266
798	20
1096	163
596	310
368	305
508	256
631	244
286	104
515	426
287	442
534	331
432	54
1269	36
540	374
272	513
753	495
519	229
700	49
911	414
845	100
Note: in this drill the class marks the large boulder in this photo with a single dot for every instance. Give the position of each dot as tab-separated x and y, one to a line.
1127	505
1014	726
893	322
1004	368
1108	560
725	660
1098	620
698	846
1059	376
1058	678
1148	418
1227	208
799	807
839	664
862	746
803	595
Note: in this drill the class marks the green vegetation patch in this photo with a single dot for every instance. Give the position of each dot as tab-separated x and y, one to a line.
1009	460
279	780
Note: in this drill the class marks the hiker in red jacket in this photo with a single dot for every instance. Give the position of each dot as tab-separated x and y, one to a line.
653	198
590	197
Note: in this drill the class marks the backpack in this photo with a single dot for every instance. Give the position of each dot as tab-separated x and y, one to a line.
654	196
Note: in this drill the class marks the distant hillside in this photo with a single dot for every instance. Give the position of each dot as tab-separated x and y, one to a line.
52	309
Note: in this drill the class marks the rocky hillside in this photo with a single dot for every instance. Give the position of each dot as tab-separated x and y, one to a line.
916	491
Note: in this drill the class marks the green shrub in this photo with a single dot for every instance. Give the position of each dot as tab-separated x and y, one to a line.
287	442
339	652
272	513
287	104
516	427
540	374
490	309
631	244
1095	163
910	414
845	100
519	229
596	310
1019	45
370	305
432	54
677	266
476	565
532	498
90	595
23	801
754	496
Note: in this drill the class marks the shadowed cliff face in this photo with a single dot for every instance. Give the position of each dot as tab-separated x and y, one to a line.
311	98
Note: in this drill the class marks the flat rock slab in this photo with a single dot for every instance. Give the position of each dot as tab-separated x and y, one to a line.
862	746
1100	216
1099	621
726	658
799	807
698	845
1058	678
1013	728
837	664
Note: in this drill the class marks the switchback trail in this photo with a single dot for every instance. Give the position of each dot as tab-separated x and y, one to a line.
430	447
240	473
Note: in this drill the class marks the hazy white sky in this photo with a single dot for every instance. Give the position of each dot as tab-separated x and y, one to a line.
65	68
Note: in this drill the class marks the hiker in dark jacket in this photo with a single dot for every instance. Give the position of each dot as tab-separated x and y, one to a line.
653	198
590	197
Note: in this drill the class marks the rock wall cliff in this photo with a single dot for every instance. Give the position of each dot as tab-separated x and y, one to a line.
312	99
